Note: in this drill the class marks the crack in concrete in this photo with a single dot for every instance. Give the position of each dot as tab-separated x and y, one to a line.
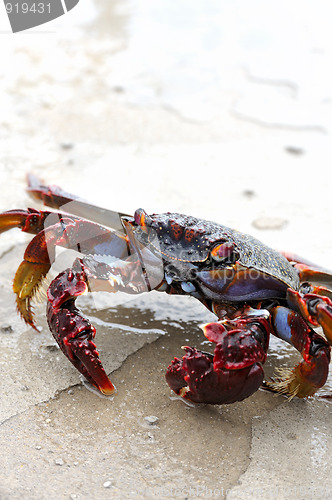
291	86
281	126
54	397
239	482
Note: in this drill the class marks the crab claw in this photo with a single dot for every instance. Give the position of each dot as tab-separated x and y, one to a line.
232	374
74	335
73	332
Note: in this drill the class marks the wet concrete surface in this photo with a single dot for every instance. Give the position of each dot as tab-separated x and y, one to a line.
100	111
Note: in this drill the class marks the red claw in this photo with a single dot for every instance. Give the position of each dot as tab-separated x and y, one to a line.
72	331
232	374
194	378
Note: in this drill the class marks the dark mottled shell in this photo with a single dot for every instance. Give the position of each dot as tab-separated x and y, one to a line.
188	239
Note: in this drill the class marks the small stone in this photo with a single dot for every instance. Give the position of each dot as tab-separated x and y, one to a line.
294	150
38	447
118	89
59	461
7	329
269	223
72	496
151	420
107	484
249	193
150	437
52	347
67	145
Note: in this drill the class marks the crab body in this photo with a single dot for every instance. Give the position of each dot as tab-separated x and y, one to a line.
253	290
212	261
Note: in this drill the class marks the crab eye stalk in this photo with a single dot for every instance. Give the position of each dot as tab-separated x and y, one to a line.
142	219
222	252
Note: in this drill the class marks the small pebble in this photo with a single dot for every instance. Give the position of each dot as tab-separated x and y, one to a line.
7	329
107	484
118	89
52	347
249	193
72	496
151	420
292	436
38	447
294	150
59	461
151	437
67	145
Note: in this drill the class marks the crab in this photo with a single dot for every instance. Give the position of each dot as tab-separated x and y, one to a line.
252	289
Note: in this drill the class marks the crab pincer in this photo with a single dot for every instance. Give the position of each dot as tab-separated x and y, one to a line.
235	370
74	333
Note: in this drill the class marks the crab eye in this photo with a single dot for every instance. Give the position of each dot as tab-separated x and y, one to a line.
222	252
141	218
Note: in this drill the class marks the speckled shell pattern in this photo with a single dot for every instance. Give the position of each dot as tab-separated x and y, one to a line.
189	239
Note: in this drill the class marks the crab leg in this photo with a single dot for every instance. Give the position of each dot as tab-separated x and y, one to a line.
56	197
309	271
36	262
316	309
29	221
72	331
311	373
52	196
53	230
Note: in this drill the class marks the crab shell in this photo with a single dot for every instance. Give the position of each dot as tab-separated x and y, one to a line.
226	265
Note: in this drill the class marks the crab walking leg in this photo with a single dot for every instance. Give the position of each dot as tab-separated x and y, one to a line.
316	309
52	196
55	197
29	221
311	373
36	262
72	331
235	370
308	271
73	233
